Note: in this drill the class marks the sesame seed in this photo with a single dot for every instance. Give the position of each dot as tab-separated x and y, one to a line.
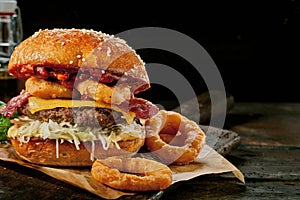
36	33
108	52
71	62
119	44
78	56
63	43
83	59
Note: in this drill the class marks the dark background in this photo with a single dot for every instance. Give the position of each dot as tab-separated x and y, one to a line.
254	44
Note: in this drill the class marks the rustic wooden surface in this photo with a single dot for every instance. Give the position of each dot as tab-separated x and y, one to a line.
268	155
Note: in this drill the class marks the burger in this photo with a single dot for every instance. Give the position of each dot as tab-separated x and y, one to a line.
79	101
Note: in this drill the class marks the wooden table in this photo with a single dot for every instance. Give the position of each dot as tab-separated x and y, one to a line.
269	157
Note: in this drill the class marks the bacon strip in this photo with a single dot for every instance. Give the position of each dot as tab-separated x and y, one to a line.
14	104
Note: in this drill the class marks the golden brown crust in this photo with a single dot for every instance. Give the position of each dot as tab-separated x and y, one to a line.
43	152
46	89
103	93
135	174
76	48
173	138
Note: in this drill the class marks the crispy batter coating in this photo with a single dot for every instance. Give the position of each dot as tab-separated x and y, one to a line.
173	138
46	89
103	93
134	174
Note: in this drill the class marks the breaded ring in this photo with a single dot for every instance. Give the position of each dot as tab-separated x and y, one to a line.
47	89
134	174
173	138
103	93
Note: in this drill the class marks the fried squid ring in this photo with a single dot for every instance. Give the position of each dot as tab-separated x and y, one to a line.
132	174
173	138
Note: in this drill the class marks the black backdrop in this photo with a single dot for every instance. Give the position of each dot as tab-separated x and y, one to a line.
254	44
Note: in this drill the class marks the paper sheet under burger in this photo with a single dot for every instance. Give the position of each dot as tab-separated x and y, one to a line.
208	162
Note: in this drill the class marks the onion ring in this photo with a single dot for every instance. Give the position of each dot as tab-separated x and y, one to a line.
132	174
173	138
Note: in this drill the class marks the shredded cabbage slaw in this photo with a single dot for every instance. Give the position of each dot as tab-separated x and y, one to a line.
26	128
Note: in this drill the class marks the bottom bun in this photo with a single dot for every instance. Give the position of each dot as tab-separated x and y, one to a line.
44	152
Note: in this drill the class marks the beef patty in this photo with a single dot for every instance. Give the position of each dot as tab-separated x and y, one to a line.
83	116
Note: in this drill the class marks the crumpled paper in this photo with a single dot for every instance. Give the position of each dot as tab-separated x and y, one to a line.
208	162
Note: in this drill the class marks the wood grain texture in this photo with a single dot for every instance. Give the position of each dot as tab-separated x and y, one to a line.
268	155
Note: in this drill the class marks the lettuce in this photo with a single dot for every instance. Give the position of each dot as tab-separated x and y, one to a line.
5	123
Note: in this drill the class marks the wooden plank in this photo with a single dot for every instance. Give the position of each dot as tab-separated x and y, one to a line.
213	187
17	182
264	124
273	163
223	141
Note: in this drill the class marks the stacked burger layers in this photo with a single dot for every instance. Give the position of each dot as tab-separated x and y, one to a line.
79	108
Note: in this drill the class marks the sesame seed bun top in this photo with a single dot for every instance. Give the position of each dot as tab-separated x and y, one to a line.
76	48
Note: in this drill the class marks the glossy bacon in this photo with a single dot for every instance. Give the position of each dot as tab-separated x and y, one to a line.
14	104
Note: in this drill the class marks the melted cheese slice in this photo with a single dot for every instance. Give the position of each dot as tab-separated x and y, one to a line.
36	104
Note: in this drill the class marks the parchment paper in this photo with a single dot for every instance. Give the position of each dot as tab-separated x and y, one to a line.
208	162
